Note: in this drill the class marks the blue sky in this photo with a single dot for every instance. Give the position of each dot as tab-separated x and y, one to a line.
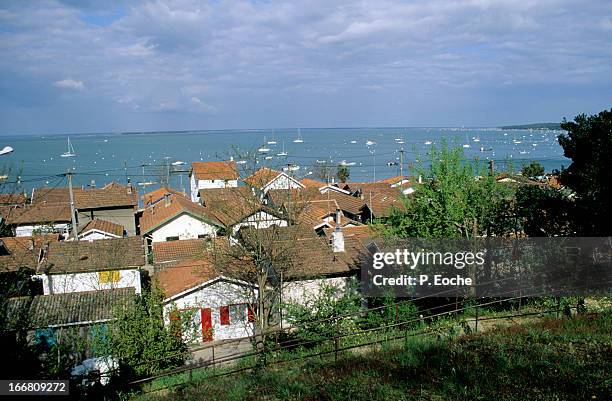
84	66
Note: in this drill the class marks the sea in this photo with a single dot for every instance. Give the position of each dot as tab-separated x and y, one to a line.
148	159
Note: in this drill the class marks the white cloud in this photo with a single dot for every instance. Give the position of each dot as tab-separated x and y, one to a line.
70	84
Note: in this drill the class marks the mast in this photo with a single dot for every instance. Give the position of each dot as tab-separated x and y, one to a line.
72	210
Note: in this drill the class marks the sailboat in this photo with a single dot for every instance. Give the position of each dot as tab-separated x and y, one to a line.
70	152
272	141
283	153
466	144
299	137
6	150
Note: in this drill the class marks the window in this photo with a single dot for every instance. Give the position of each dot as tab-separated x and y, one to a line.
111	276
237	313
174	238
224	315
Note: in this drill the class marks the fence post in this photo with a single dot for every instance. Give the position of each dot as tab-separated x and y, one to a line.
476	324
213	356
336	342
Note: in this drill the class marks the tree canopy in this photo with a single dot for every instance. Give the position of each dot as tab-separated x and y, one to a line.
588	143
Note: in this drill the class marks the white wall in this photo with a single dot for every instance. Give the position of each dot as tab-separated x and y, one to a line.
214	295
260	220
26	231
78	282
196	185
94	235
302	290
282	181
185	227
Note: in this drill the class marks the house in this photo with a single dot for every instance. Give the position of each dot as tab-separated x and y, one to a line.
114	202
323	187
240	207
266	179
317	214
352	207
211	305
101	229
41	218
62	310
208	175
177	218
159	194
68	318
76	266
19	260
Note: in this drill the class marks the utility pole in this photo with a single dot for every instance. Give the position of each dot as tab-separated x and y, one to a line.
72	210
401	152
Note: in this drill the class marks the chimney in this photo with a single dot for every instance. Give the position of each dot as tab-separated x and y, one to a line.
338	217
92	184
337	240
167	200
31	245
129	187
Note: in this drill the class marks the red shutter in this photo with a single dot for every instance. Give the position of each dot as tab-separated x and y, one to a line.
175	315
224	315
251	313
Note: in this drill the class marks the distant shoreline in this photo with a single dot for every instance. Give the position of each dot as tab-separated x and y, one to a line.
533	126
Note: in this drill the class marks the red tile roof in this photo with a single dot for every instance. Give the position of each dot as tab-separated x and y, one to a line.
115	195
310	183
103	226
23	251
85	256
261	177
232	205
162	212
185	275
12	199
40	213
158	194
220	170
172	251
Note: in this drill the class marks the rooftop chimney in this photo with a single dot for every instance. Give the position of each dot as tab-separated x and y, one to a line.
338	235
338	240
129	187
167	200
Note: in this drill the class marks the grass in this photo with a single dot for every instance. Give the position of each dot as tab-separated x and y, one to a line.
551	359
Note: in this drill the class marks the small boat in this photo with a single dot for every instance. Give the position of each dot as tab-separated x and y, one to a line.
428	142
299	137
6	150
466	145
241	162
347	164
263	149
291	168
272	141
476	139
401	141
370	143
283	153
353	142
268	157
178	163
70	152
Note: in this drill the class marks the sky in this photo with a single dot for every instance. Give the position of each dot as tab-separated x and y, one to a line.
70	66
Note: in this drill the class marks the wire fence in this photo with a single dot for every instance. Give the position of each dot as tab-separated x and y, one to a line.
333	343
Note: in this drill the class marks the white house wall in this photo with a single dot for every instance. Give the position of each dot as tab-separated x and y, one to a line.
213	296
27	231
303	290
78	282
282	181
260	220
196	185
184	227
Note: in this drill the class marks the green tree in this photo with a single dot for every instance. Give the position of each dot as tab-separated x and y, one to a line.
457	198
588	142
343	173
544	211
141	341
534	169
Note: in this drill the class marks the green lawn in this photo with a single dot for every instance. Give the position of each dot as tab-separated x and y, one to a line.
568	359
